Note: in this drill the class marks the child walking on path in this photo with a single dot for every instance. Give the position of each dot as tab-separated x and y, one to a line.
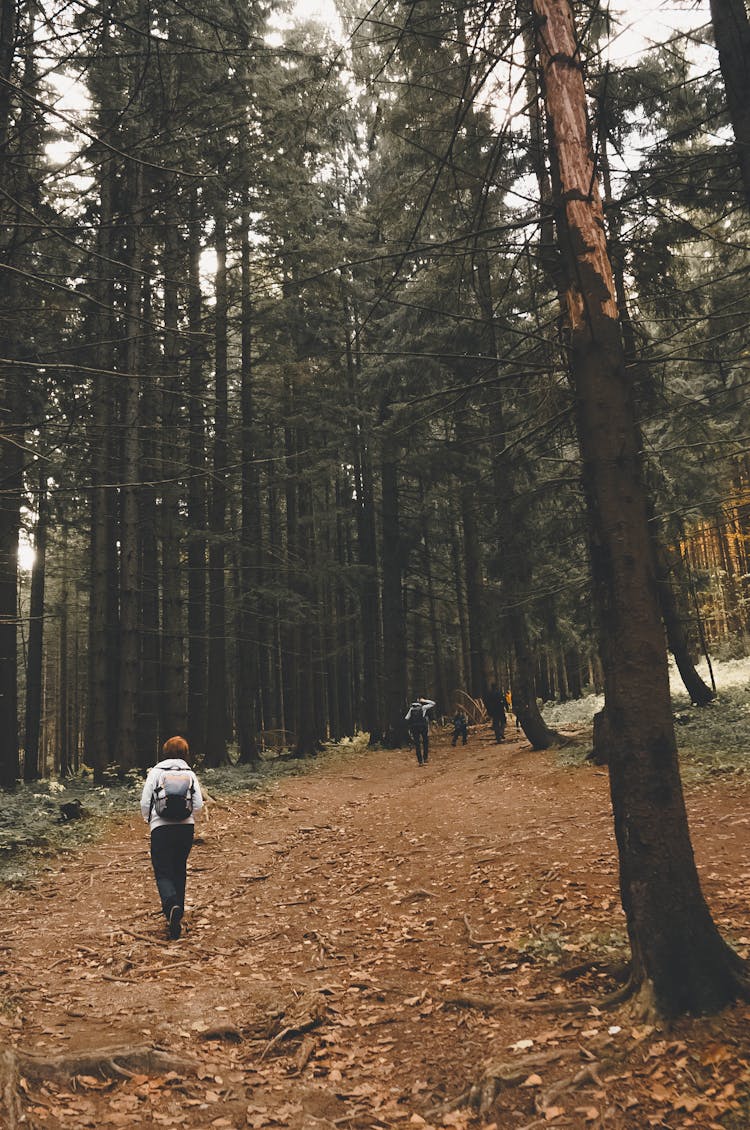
170	797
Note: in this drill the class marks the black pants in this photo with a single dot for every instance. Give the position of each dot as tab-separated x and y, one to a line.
420	737
460	733
170	848
498	725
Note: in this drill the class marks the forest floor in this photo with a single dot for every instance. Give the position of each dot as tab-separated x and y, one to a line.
365	943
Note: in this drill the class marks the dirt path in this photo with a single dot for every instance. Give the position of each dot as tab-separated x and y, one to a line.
362	942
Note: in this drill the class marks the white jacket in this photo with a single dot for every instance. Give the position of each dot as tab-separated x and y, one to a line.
151	817
426	704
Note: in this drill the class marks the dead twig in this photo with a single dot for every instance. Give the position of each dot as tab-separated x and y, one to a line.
475	941
587	1074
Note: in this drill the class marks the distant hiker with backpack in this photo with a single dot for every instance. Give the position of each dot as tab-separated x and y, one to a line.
419	727
170	797
460	726
494	702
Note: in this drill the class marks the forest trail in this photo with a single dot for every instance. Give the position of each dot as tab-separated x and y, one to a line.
363	942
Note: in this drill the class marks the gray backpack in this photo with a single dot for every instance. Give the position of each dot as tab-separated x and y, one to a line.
173	793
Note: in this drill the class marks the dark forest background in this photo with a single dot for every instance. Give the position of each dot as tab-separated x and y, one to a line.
285	411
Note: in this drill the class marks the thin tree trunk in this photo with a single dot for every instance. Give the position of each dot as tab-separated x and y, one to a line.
11	477
473	581
149	673
218	722
173	712
196	500
367	550
247	672
8	43
63	727
680	963
465	676
101	680
394	625
36	637
130	582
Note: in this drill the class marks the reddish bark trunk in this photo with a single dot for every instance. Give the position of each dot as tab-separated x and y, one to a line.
679	961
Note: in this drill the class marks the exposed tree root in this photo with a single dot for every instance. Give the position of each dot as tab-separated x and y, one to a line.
116	1062
122	1062
497	1077
312	1010
587	1074
9	1089
617	970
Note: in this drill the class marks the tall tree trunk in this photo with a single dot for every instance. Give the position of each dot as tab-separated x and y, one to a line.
63	697
8	43
680	963
126	749
732	37
31	768
149	667
394	622
196	498
438	664
250	555
173	711
465	676
102	671
11	483
473	577
11	431
218	721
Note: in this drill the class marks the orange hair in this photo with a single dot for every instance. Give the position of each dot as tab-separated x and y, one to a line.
176	747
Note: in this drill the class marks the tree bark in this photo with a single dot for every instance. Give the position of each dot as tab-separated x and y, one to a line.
31	766
173	712
250	539
102	670
473	588
680	963
394	626
732	38
218	721
130	594
196	498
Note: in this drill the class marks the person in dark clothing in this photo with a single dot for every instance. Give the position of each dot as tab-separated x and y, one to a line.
460	727
494	702
171	835
419	727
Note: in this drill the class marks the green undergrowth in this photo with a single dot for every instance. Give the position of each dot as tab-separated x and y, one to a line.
555	947
33	834
712	740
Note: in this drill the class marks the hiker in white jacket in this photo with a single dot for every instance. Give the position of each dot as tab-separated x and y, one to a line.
170	797
419	727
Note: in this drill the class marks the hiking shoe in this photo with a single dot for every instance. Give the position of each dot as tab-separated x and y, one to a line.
175	922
